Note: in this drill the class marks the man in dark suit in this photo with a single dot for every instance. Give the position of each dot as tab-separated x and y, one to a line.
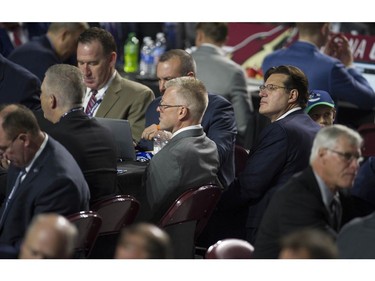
218	120
18	85
308	199
108	94
42	176
91	144
282	149
331	71
57	46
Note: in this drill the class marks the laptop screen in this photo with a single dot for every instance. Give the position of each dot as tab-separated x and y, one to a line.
123	137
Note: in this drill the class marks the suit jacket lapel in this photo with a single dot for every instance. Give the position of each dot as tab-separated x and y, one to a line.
111	96
314	186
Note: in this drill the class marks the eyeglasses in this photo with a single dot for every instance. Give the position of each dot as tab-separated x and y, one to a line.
271	87
347	156
5	148
165	106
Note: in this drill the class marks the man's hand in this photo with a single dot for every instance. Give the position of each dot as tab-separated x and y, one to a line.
338	47
150	131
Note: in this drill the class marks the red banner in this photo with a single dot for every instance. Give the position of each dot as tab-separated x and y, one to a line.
251	42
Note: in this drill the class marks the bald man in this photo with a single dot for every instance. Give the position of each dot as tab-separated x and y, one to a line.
50	236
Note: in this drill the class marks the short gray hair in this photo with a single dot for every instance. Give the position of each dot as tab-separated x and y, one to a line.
66	81
193	93
327	138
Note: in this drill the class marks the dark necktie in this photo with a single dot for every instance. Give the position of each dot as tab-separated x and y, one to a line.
10	197
91	104
336	212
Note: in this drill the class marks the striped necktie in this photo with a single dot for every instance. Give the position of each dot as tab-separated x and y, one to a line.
336	212
91	104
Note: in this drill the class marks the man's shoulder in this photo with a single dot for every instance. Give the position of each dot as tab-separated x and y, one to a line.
130	84
17	71
39	45
215	99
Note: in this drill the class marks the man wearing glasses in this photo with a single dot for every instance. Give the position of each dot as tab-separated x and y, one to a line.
42	176
190	159
282	149
316	197
218	121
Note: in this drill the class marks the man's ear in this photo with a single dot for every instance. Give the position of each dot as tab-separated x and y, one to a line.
183	112
293	96
53	101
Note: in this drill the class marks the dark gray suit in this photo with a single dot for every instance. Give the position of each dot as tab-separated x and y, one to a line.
54	183
190	159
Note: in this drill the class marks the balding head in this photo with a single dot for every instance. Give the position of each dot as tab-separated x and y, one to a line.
50	236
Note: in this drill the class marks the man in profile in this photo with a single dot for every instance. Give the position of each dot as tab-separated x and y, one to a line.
331	71
282	149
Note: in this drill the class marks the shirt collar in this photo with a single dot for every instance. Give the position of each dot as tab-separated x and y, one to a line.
288	112
103	90
185	129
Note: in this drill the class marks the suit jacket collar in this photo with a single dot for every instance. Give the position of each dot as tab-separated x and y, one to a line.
304	45
47	43
312	184
36	167
210	50
111	96
188	133
74	114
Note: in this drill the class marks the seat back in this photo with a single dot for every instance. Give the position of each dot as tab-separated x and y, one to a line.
116	212
187	216
195	204
367	131
88	224
240	159
230	249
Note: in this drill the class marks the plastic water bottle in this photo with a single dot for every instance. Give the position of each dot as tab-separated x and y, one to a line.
160	46
160	140
131	50
146	65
